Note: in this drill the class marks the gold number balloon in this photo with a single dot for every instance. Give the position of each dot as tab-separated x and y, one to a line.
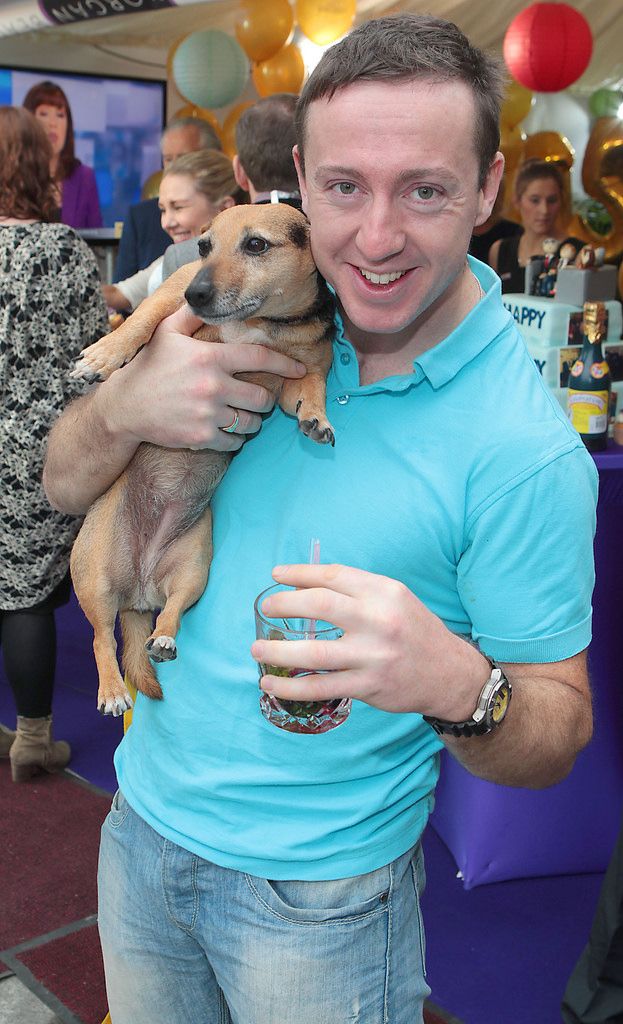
324	21
282	73
602	178
263	27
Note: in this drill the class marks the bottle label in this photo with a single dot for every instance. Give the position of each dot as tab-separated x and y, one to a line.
577	368
588	411
599	370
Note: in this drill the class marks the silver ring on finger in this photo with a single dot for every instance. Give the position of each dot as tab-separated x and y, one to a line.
231	428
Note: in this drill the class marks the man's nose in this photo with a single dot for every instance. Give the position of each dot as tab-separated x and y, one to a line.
381	231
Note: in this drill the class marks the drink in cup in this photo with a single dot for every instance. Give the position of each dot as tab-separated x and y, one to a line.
302	716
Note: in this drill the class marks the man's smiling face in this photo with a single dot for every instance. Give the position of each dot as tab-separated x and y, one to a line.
391	190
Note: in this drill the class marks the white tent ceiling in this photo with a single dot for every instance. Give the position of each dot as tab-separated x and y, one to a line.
144	38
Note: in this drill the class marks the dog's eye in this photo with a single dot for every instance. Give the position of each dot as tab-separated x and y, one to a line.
256	245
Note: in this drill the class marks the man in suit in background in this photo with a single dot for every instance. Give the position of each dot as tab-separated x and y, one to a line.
263	164
143	238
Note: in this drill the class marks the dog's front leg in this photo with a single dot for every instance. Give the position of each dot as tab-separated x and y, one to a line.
98	361
306	399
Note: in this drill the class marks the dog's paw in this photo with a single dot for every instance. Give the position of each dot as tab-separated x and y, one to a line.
161	648
98	361
114	705
322	432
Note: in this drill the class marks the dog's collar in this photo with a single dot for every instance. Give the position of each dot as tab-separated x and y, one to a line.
318	307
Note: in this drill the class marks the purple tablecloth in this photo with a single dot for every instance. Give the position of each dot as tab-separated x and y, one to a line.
497	833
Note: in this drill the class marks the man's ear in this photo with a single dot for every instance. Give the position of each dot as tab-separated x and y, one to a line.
226	203
240	174
301	176
488	193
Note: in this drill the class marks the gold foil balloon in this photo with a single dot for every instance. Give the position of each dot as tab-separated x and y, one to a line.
151	187
602	178
284	72
171	55
516	105
228	134
263	27
324	21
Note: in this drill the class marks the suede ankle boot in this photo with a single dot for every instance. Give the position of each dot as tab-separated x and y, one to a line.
6	740
34	749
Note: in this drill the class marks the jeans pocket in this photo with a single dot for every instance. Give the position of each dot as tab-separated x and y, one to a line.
333	901
119	810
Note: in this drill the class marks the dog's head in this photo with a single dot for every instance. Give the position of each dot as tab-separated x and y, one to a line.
256	262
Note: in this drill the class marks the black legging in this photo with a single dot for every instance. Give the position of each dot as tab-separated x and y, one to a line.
28	641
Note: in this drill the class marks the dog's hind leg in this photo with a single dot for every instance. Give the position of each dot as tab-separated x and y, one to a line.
112	697
182	578
135	629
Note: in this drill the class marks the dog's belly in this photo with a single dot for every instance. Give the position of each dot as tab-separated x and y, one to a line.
166	492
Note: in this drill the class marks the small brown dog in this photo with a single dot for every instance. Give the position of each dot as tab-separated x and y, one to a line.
146	544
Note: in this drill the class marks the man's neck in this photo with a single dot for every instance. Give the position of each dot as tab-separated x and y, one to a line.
386	355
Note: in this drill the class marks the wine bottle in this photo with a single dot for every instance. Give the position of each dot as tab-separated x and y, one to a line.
590	383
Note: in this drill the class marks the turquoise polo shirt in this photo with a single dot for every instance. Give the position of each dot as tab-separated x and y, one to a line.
463	480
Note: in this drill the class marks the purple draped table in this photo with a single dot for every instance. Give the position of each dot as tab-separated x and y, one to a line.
496	833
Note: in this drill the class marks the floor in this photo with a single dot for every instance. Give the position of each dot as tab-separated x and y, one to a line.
18	1005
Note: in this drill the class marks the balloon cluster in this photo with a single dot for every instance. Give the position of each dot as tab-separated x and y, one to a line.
211	68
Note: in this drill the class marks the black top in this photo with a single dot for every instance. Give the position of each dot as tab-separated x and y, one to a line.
480	244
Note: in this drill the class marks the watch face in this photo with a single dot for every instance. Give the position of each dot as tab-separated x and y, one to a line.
500	704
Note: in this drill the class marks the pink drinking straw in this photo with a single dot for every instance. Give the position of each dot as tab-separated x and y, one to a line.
309	625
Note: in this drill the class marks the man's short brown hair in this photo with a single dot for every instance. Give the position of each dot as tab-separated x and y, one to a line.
407	47
265	137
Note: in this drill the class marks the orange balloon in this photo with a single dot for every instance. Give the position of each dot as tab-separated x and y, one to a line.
284	72
263	27
324	21
191	110
228	134
516	105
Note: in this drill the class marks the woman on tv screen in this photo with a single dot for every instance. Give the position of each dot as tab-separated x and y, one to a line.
76	188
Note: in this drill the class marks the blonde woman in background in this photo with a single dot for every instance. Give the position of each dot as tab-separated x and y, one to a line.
194	188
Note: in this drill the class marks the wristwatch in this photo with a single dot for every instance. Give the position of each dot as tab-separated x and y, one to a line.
491	708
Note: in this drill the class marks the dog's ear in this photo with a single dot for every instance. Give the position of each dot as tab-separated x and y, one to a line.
298	234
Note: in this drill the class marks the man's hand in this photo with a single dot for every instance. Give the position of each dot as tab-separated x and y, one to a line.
180	393
398	656
394	654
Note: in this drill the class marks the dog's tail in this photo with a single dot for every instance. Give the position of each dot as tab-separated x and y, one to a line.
136	628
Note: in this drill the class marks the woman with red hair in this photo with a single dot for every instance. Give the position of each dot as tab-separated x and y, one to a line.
76	189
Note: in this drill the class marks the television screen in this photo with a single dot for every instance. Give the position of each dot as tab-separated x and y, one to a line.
117	126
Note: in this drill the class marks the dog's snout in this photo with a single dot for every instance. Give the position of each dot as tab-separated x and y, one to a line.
200	292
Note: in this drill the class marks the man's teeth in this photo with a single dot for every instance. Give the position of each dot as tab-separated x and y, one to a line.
381	278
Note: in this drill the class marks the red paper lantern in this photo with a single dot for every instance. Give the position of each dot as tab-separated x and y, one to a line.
548	46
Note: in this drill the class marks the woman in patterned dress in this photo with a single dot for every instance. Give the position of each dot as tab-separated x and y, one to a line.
51	306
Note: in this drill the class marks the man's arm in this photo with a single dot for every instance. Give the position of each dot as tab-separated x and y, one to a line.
186	407
398	656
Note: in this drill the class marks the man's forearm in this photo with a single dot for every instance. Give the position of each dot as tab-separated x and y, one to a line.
547	725
84	455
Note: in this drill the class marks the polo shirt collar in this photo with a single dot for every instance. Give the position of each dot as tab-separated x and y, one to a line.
479	328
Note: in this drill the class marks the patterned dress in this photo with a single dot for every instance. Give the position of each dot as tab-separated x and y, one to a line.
51	307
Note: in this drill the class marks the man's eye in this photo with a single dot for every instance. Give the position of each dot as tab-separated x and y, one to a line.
256	245
425	192
345	188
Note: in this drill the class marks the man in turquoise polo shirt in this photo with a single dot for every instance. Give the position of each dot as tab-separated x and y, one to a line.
254	876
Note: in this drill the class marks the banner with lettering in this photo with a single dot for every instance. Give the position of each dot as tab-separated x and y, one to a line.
62	12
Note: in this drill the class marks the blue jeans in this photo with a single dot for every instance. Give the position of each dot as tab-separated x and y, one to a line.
188	942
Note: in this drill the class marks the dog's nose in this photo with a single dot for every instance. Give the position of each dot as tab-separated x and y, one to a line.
200	293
